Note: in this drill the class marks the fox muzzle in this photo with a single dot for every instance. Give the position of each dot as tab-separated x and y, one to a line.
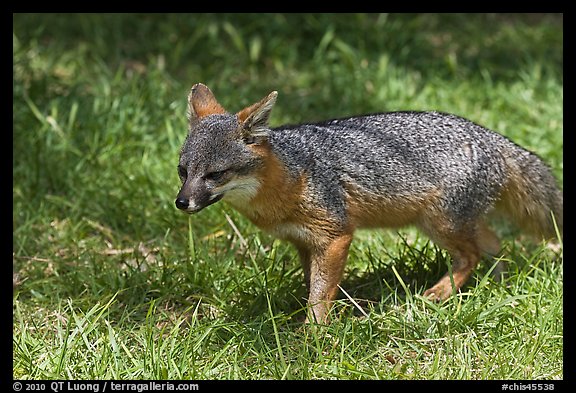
188	206
192	201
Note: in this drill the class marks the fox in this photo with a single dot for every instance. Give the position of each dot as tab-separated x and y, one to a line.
315	184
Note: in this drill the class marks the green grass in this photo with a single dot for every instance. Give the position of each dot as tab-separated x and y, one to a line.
112	282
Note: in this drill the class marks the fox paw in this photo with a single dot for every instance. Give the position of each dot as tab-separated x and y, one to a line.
439	292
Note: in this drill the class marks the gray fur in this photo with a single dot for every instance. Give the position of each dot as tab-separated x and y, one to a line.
215	144
398	153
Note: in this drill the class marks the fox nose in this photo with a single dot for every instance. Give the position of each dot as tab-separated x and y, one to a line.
182	203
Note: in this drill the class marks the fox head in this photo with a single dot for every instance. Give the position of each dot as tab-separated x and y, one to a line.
220	156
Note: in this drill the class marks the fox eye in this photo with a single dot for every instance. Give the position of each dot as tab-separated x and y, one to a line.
182	173
215	176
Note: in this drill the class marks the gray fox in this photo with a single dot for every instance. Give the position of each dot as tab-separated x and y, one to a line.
315	184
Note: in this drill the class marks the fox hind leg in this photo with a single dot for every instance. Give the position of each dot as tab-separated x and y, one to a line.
465	257
489	243
465	245
487	240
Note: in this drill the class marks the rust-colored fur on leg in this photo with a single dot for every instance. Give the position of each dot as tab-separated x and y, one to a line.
323	268
465	245
465	257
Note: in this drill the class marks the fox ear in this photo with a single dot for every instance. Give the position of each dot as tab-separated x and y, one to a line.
254	119
201	102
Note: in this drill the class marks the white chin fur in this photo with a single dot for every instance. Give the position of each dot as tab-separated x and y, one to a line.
240	191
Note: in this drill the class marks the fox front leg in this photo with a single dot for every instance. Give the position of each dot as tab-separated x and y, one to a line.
323	269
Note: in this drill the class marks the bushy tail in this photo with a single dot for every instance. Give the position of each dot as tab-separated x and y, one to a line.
531	195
